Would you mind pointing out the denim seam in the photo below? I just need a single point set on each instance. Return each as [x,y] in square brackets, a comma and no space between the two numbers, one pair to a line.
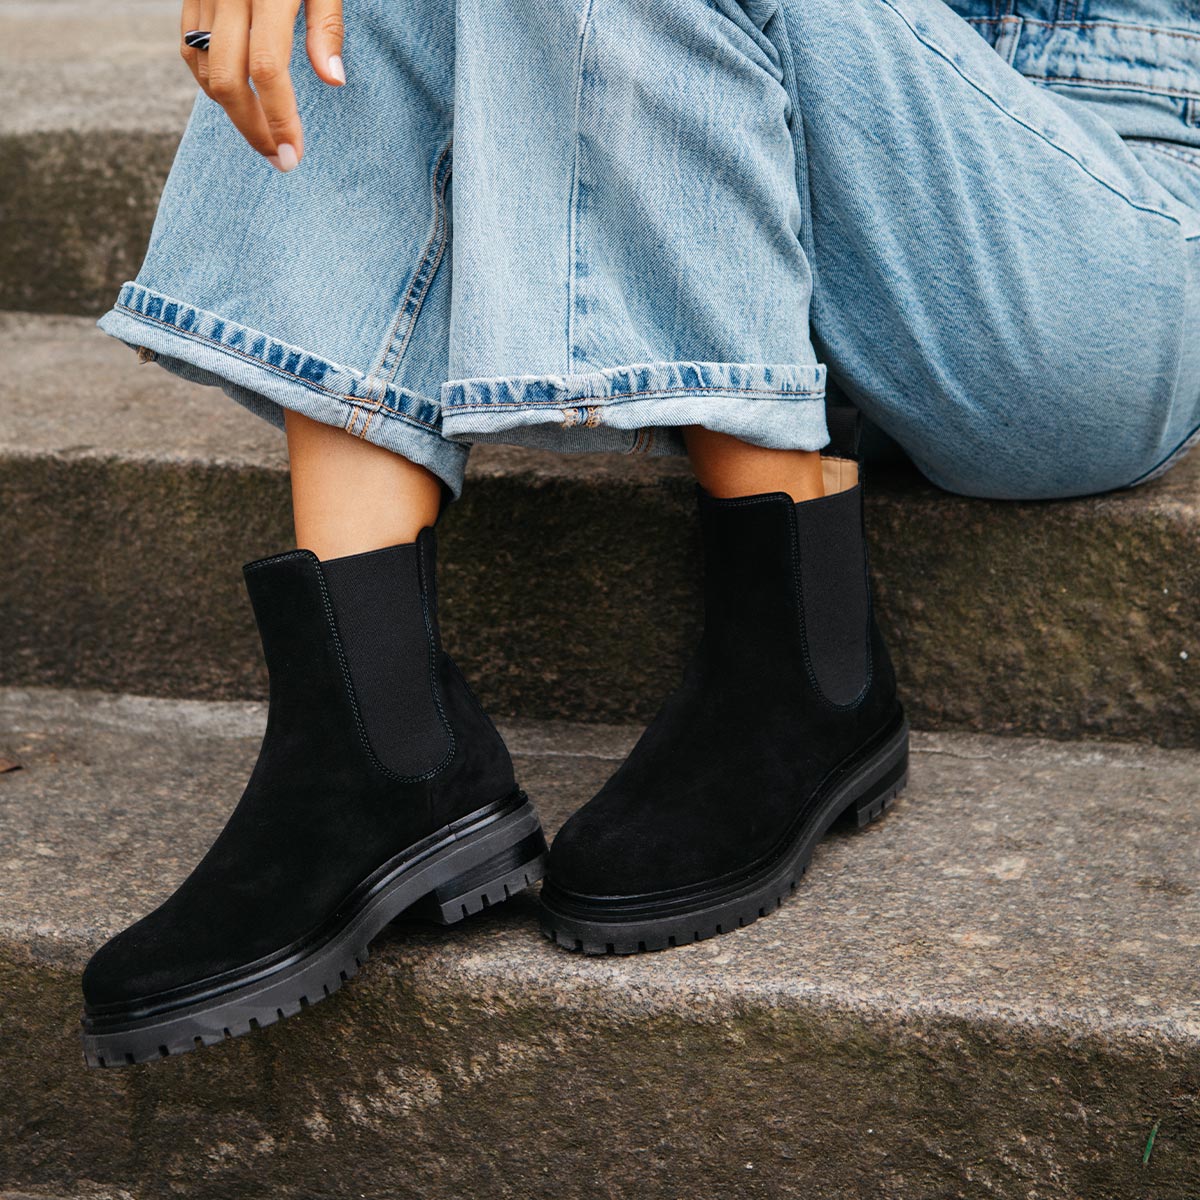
[641,443]
[1154,30]
[573,215]
[422,279]
[807,395]
[1008,40]
[1122,85]
[800,151]
[343,397]
[949,61]
[1169,148]
[1163,465]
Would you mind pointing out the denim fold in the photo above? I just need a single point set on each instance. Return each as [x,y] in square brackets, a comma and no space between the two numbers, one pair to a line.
[267,376]
[640,408]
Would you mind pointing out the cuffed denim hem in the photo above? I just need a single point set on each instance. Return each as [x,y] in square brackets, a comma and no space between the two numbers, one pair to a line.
[266,376]
[639,408]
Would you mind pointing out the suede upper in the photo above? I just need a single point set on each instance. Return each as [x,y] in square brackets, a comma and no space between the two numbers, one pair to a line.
[728,764]
[320,812]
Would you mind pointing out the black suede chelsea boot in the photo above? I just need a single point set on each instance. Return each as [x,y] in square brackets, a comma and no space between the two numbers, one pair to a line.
[381,787]
[786,719]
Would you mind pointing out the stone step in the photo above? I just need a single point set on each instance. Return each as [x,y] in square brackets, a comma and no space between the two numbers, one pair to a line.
[95,101]
[129,500]
[89,1193]
[990,993]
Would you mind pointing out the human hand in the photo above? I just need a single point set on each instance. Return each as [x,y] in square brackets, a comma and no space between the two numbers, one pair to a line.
[252,40]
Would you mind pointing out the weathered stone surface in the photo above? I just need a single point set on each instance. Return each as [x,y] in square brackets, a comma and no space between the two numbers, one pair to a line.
[129,501]
[95,101]
[78,1192]
[72,65]
[992,993]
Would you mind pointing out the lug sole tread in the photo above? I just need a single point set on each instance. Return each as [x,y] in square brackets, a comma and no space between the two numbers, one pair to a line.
[680,932]
[322,974]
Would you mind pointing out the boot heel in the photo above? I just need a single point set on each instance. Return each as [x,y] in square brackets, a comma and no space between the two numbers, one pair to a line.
[872,808]
[490,882]
[888,777]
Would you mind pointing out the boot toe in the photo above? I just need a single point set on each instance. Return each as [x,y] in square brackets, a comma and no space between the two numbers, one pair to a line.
[172,947]
[614,847]
[589,856]
[125,969]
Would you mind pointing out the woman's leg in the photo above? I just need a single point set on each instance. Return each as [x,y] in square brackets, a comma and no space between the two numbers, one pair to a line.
[729,198]
[626,259]
[999,282]
[727,467]
[324,291]
[380,785]
[350,496]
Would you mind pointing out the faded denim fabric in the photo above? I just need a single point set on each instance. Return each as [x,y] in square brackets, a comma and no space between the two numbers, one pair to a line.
[582,224]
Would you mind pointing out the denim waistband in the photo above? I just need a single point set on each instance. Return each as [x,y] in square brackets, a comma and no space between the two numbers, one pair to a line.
[1098,52]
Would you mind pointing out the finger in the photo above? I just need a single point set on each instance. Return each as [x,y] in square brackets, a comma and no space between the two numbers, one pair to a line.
[272,31]
[204,20]
[325,32]
[228,74]
[189,19]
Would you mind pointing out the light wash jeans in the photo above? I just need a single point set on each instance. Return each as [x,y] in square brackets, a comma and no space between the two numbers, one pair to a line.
[979,223]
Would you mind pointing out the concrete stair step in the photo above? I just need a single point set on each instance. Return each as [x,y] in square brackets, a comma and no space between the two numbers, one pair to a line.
[95,101]
[129,500]
[89,1193]
[990,993]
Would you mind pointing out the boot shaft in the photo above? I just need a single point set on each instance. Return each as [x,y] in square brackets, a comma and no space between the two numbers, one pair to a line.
[787,588]
[359,681]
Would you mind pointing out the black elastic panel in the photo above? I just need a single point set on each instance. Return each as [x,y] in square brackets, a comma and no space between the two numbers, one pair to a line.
[834,580]
[377,605]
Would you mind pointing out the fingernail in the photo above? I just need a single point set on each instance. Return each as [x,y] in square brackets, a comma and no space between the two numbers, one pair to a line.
[336,69]
[273,159]
[285,156]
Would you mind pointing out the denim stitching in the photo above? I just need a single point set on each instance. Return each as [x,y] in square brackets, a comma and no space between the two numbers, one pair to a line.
[1185,447]
[800,148]
[342,397]
[576,203]
[624,397]
[422,279]
[1171,149]
[1126,85]
[1153,30]
[949,61]
[1008,40]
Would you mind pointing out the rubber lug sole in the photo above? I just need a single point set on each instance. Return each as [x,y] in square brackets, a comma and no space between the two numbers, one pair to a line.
[473,867]
[866,790]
